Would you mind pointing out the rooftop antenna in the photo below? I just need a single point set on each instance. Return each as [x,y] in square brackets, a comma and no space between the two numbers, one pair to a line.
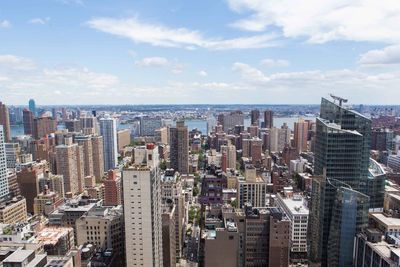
[339,99]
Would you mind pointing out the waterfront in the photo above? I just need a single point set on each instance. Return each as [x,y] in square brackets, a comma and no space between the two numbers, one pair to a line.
[192,124]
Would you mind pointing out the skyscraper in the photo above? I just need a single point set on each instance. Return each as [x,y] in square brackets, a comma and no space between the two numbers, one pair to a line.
[179,147]
[142,208]
[108,129]
[255,116]
[268,119]
[3,166]
[300,135]
[70,164]
[341,160]
[229,121]
[32,107]
[27,116]
[43,126]
[98,157]
[5,121]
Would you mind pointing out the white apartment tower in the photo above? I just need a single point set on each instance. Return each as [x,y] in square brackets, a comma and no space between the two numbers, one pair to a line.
[108,129]
[142,208]
[3,166]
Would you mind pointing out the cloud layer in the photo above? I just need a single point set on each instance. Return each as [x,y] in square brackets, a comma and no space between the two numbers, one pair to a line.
[160,35]
[323,21]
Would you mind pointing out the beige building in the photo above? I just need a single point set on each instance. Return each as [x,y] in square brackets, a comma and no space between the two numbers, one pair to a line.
[230,151]
[13,211]
[70,164]
[98,161]
[171,192]
[92,147]
[301,135]
[162,135]
[46,202]
[142,208]
[251,190]
[123,138]
[5,121]
[102,227]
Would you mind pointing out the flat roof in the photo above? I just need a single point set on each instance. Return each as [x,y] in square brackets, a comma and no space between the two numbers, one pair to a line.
[296,207]
[387,221]
[19,255]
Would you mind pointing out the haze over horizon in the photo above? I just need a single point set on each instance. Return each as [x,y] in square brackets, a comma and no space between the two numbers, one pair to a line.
[179,52]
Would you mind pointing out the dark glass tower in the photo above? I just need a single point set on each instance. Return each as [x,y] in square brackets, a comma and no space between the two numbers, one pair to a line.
[339,204]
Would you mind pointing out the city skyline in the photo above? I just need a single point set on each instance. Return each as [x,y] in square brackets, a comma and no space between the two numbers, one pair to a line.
[87,52]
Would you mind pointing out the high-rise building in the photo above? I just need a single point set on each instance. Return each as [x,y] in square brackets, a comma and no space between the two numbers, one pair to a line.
[301,135]
[179,147]
[98,157]
[53,182]
[89,125]
[268,119]
[108,129]
[168,236]
[70,164]
[255,117]
[230,151]
[252,190]
[5,121]
[142,209]
[296,210]
[4,190]
[28,181]
[382,139]
[230,120]
[85,141]
[13,211]
[278,137]
[73,126]
[113,188]
[342,147]
[28,121]
[149,125]
[124,138]
[171,195]
[43,126]
[32,107]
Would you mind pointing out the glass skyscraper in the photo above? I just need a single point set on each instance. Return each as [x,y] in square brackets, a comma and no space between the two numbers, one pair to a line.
[32,107]
[339,202]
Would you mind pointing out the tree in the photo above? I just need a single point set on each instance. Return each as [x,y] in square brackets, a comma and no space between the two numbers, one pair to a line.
[195,191]
[163,165]
[234,203]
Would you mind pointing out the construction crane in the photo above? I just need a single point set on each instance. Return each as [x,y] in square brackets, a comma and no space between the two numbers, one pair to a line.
[339,99]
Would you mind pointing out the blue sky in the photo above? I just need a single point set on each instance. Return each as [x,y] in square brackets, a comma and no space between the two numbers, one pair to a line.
[229,51]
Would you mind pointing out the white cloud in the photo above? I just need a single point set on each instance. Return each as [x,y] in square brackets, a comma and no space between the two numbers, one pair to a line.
[160,35]
[152,62]
[16,63]
[388,56]
[174,67]
[39,21]
[309,86]
[5,24]
[202,73]
[323,21]
[271,63]
[249,73]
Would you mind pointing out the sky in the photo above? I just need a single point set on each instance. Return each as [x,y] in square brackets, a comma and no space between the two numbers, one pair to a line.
[199,52]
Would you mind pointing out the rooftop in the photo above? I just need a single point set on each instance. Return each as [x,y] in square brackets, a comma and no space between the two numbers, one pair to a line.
[19,256]
[387,221]
[295,204]
[51,235]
